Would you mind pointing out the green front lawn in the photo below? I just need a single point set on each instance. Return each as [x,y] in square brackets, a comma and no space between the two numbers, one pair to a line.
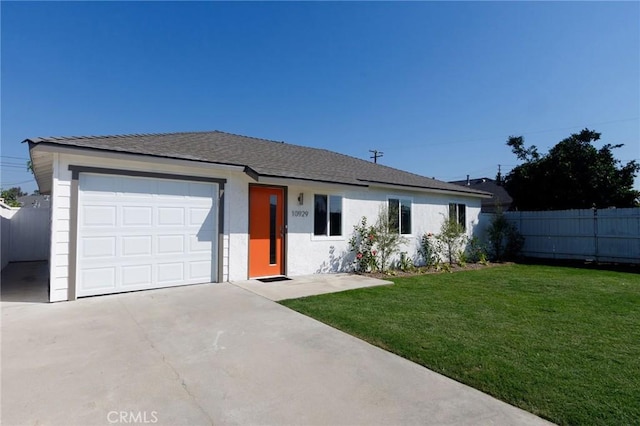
[562,343]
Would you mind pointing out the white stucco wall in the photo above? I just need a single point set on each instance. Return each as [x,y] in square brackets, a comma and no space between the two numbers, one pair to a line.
[237,218]
[308,254]
[305,253]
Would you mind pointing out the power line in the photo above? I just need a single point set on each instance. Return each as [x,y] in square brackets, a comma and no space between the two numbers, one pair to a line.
[14,166]
[15,158]
[17,183]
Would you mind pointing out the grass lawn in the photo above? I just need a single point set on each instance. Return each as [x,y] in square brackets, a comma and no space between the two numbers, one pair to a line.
[562,343]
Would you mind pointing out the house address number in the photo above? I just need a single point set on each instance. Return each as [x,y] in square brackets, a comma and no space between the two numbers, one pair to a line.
[299,213]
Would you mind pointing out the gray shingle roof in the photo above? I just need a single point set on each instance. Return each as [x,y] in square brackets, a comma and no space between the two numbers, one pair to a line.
[500,194]
[264,157]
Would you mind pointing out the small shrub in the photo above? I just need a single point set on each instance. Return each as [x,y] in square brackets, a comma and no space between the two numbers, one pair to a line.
[462,258]
[504,239]
[450,239]
[387,240]
[476,251]
[375,245]
[515,242]
[428,250]
[362,244]
[405,263]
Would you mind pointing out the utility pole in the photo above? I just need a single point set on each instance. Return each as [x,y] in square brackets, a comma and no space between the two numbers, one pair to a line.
[499,176]
[376,154]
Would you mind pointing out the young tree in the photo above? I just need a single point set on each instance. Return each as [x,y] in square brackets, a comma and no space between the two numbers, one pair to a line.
[505,241]
[451,238]
[573,174]
[388,238]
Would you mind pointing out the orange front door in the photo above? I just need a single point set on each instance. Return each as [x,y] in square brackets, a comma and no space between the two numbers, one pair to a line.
[266,231]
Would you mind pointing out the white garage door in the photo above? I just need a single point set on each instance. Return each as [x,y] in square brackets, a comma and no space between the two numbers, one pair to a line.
[141,233]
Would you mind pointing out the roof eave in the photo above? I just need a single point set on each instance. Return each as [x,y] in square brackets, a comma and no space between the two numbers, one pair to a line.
[42,166]
[477,194]
[281,179]
[115,154]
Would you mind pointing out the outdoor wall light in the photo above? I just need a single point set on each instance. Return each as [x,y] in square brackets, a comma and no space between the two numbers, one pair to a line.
[301,198]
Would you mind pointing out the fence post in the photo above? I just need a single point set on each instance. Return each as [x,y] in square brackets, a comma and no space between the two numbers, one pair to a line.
[595,230]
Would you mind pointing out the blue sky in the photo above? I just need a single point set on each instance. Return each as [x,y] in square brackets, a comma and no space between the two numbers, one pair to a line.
[438,87]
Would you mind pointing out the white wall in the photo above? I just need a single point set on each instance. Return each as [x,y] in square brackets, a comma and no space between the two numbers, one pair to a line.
[30,234]
[237,217]
[5,234]
[308,254]
[25,234]
[61,204]
[481,228]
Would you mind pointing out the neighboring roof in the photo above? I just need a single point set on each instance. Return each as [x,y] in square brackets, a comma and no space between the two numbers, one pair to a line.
[34,200]
[500,195]
[262,157]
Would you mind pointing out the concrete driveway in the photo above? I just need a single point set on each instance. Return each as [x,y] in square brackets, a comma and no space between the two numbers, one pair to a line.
[214,354]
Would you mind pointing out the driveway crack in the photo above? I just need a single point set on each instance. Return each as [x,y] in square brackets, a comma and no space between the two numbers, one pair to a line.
[167,363]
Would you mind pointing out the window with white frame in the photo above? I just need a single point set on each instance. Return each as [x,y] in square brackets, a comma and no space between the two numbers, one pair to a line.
[327,215]
[400,215]
[458,212]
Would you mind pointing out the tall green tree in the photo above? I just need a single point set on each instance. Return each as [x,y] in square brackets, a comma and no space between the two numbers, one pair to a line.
[574,174]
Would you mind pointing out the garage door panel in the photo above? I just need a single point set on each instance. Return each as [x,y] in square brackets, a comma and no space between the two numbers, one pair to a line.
[199,270]
[170,216]
[101,279]
[136,275]
[173,189]
[139,245]
[100,185]
[138,188]
[128,242]
[197,244]
[170,244]
[96,247]
[200,217]
[200,190]
[98,215]
[137,216]
[171,272]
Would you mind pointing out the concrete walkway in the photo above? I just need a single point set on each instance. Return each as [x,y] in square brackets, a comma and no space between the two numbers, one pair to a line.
[24,282]
[309,285]
[214,354]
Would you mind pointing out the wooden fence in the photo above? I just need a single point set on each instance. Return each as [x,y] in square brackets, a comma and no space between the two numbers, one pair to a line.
[608,235]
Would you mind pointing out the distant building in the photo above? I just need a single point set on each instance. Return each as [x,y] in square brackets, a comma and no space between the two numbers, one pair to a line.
[40,201]
[501,198]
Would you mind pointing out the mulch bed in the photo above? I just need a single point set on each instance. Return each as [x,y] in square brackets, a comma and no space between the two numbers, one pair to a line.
[424,271]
